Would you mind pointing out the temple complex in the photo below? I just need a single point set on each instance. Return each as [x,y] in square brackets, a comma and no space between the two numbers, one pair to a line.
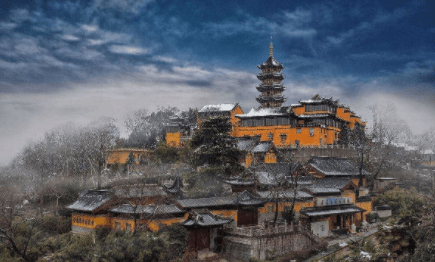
[314,122]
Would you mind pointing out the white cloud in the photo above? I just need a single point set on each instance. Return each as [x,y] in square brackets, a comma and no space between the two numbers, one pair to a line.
[166,59]
[70,38]
[129,50]
[19,15]
[7,26]
[90,28]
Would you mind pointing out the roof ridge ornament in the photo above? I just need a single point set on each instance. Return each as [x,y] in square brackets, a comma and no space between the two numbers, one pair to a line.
[271,48]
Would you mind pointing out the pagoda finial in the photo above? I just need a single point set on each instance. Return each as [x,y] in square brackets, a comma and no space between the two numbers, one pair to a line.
[271,47]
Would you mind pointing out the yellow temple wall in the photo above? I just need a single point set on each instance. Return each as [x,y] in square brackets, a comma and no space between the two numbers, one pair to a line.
[89,221]
[364,205]
[304,137]
[270,157]
[356,181]
[173,139]
[226,213]
[282,205]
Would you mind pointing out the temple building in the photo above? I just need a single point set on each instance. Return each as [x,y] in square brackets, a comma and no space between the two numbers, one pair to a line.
[314,122]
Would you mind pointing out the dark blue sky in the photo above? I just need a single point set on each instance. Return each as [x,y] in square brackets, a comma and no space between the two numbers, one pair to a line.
[76,60]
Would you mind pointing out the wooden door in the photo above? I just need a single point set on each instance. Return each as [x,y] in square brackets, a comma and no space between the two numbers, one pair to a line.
[199,238]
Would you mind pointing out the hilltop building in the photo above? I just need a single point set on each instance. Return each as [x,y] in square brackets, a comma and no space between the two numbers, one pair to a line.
[315,122]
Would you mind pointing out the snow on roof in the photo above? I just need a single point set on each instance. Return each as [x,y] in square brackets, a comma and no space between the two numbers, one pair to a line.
[312,212]
[217,108]
[148,209]
[242,198]
[91,200]
[284,194]
[271,111]
[247,143]
[314,115]
[295,105]
[332,182]
[205,219]
[335,166]
[324,190]
[262,147]
[139,191]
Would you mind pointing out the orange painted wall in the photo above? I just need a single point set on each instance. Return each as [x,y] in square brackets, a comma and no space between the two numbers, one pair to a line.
[356,181]
[365,205]
[349,193]
[89,221]
[281,206]
[304,137]
[120,156]
[270,157]
[173,139]
[226,213]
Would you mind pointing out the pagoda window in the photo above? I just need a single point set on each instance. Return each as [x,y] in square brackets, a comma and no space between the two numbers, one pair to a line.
[298,131]
[269,122]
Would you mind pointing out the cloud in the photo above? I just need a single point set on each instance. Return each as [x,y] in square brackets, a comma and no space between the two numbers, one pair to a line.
[70,38]
[165,59]
[19,15]
[128,50]
[130,6]
[90,28]
[7,26]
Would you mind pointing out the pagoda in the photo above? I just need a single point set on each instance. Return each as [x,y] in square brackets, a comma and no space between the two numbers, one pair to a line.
[271,87]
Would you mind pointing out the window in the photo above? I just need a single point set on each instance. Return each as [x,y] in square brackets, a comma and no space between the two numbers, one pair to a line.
[128,227]
[283,137]
[270,136]
[117,226]
[270,209]
[297,143]
[311,131]
[298,131]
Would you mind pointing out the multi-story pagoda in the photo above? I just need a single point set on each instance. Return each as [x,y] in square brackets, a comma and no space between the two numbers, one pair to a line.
[271,87]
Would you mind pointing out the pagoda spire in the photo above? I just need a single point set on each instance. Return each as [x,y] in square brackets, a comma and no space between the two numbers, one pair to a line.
[271,87]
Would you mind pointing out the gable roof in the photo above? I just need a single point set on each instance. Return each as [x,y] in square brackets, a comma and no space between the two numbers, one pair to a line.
[243,198]
[205,219]
[176,187]
[91,201]
[262,147]
[247,143]
[300,195]
[335,166]
[148,209]
[218,108]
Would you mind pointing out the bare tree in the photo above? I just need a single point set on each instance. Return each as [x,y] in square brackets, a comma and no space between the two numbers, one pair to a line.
[18,233]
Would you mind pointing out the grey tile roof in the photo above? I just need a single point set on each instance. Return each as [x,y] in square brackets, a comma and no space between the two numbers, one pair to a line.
[206,202]
[262,147]
[288,194]
[242,198]
[205,219]
[326,211]
[139,191]
[332,182]
[217,108]
[148,209]
[91,201]
[247,143]
[176,187]
[335,166]
[323,190]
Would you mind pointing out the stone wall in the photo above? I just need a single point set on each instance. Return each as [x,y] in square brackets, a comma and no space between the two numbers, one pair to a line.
[266,243]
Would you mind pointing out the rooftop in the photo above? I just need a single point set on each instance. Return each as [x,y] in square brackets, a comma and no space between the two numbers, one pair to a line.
[262,147]
[243,198]
[335,166]
[247,143]
[218,108]
[287,194]
[270,111]
[326,211]
[205,219]
[91,201]
[147,209]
